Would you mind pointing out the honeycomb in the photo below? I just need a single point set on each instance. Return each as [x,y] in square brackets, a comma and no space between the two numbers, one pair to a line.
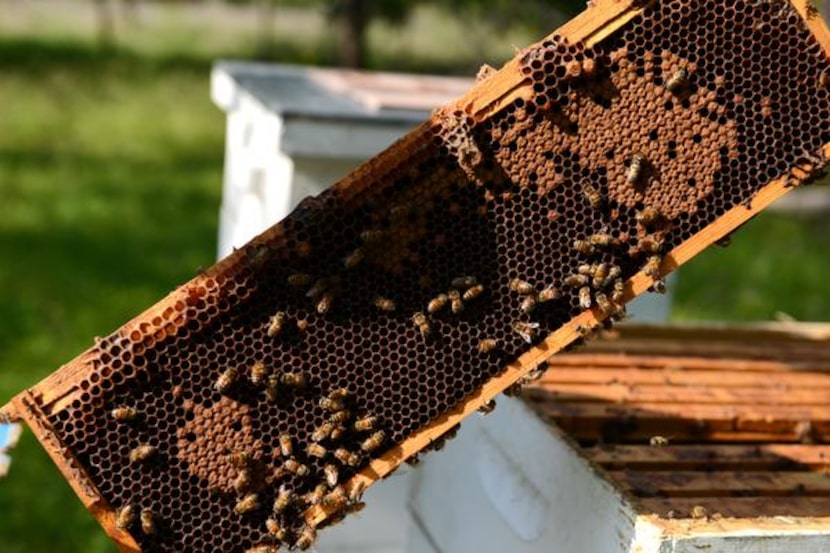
[391,300]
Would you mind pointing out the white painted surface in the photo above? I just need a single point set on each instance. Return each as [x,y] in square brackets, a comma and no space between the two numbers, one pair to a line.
[575,510]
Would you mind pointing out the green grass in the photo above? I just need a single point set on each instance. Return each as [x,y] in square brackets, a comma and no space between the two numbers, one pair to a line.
[776,264]
[110,176]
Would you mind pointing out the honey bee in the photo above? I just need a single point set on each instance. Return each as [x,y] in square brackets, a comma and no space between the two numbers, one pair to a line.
[340,417]
[335,499]
[547,294]
[148,522]
[652,266]
[437,303]
[824,79]
[373,442]
[699,511]
[247,504]
[294,379]
[521,287]
[272,388]
[299,280]
[659,287]
[585,300]
[286,445]
[528,331]
[455,301]
[355,507]
[618,293]
[323,431]
[317,289]
[284,499]
[259,372]
[586,269]
[325,302]
[124,414]
[600,274]
[635,169]
[603,303]
[604,240]
[365,424]
[339,393]
[275,529]
[226,380]
[658,441]
[585,332]
[142,453]
[423,325]
[613,274]
[316,450]
[315,496]
[619,314]
[276,324]
[338,433]
[649,216]
[332,475]
[384,304]
[354,258]
[528,304]
[649,244]
[575,281]
[487,407]
[724,242]
[239,459]
[356,493]
[307,537]
[591,194]
[346,457]
[464,282]
[332,405]
[678,80]
[584,247]
[414,461]
[473,292]
[487,345]
[242,482]
[372,236]
[295,467]
[125,517]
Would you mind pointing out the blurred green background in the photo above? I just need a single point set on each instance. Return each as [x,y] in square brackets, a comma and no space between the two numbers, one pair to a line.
[110,181]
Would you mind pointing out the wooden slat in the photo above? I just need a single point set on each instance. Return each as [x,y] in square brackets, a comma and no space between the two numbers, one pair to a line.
[679,377]
[609,423]
[737,507]
[764,394]
[657,359]
[711,457]
[723,483]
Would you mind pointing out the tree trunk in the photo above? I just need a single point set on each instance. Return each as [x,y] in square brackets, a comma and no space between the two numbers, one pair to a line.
[105,21]
[351,22]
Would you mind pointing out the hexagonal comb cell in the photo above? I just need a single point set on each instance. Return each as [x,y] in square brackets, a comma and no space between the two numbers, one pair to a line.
[218,418]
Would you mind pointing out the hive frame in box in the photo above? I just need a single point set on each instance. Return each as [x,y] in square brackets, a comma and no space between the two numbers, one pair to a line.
[489,97]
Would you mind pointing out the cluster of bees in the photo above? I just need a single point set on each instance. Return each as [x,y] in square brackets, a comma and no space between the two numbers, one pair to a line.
[340,425]
[463,289]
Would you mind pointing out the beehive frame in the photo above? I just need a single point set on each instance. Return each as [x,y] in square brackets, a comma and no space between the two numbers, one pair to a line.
[466,139]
